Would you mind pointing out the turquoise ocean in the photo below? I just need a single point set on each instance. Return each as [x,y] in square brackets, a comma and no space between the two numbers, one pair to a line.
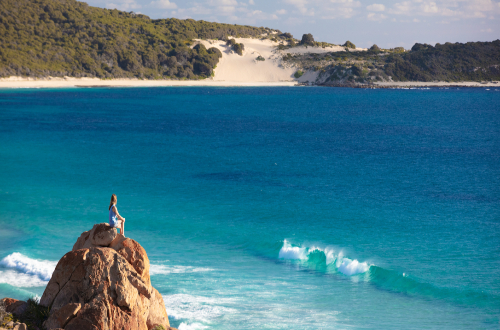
[266,208]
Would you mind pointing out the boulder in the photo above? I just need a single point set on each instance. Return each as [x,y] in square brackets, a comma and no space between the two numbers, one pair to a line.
[103,284]
[14,306]
[102,235]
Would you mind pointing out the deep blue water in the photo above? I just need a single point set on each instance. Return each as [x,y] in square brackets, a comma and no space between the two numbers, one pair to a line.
[388,200]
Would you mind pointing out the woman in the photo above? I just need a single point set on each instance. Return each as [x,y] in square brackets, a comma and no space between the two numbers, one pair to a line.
[115,219]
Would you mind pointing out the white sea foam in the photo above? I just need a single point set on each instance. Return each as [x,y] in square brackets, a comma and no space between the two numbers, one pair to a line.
[196,308]
[21,280]
[192,326]
[352,267]
[165,270]
[288,251]
[344,265]
[41,268]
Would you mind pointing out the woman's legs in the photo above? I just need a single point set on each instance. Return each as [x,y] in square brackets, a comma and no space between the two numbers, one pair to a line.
[122,229]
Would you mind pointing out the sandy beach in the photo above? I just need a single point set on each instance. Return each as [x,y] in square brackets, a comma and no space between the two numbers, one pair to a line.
[56,82]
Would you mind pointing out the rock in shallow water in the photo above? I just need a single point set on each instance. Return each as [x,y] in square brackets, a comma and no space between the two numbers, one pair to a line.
[102,284]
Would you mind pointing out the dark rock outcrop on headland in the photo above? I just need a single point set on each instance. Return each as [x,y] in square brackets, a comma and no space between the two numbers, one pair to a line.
[103,283]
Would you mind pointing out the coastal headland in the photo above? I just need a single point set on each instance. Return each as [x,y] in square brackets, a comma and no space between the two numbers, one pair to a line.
[49,44]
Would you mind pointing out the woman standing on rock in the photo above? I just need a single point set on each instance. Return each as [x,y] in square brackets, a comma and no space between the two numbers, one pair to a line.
[115,219]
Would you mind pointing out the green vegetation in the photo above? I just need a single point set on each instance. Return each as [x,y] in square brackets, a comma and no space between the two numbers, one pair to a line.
[349,44]
[4,316]
[473,61]
[238,49]
[298,74]
[307,39]
[39,38]
[159,327]
[35,315]
[260,58]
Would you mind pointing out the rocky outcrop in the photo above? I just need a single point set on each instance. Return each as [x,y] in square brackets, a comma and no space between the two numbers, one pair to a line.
[103,284]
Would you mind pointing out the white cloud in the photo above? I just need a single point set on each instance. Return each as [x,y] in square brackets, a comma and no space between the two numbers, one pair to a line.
[430,7]
[222,2]
[450,8]
[125,5]
[376,17]
[163,4]
[301,7]
[376,7]
[251,2]
[281,12]
[487,30]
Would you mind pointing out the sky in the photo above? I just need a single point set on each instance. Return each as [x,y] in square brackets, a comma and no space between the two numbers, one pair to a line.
[387,23]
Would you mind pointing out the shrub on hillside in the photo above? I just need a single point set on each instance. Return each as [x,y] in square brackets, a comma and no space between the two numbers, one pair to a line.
[307,39]
[238,48]
[349,44]
[375,48]
[260,58]
[298,74]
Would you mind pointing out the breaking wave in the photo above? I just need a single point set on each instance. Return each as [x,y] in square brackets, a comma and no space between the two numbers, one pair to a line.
[327,256]
[21,280]
[39,269]
[326,260]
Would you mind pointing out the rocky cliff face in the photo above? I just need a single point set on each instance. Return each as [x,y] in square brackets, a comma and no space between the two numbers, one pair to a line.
[103,284]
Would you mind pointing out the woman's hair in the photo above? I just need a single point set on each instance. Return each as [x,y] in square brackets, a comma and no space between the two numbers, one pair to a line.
[113,201]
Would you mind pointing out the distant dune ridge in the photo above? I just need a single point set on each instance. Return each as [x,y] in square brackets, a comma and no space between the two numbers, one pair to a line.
[103,283]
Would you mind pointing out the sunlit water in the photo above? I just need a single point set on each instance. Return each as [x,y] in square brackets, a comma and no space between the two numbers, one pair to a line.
[266,208]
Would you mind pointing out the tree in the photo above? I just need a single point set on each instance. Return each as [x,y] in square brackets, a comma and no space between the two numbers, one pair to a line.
[307,39]
[238,49]
[375,48]
[349,44]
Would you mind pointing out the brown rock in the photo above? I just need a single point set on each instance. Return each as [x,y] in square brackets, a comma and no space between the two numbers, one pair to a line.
[14,306]
[100,235]
[61,317]
[128,248]
[111,285]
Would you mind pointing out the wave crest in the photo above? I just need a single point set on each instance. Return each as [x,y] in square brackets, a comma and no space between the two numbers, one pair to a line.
[327,256]
[43,269]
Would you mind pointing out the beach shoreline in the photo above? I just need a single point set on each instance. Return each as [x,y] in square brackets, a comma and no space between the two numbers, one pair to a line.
[69,82]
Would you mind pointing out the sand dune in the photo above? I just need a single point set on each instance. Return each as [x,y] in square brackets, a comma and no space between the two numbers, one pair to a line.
[233,67]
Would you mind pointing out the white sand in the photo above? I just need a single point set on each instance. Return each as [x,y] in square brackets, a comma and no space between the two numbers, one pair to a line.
[54,82]
[246,68]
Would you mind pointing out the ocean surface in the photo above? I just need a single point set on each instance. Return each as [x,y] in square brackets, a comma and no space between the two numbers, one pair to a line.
[266,208]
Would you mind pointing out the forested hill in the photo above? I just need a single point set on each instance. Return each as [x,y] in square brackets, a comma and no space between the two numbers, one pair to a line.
[41,38]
